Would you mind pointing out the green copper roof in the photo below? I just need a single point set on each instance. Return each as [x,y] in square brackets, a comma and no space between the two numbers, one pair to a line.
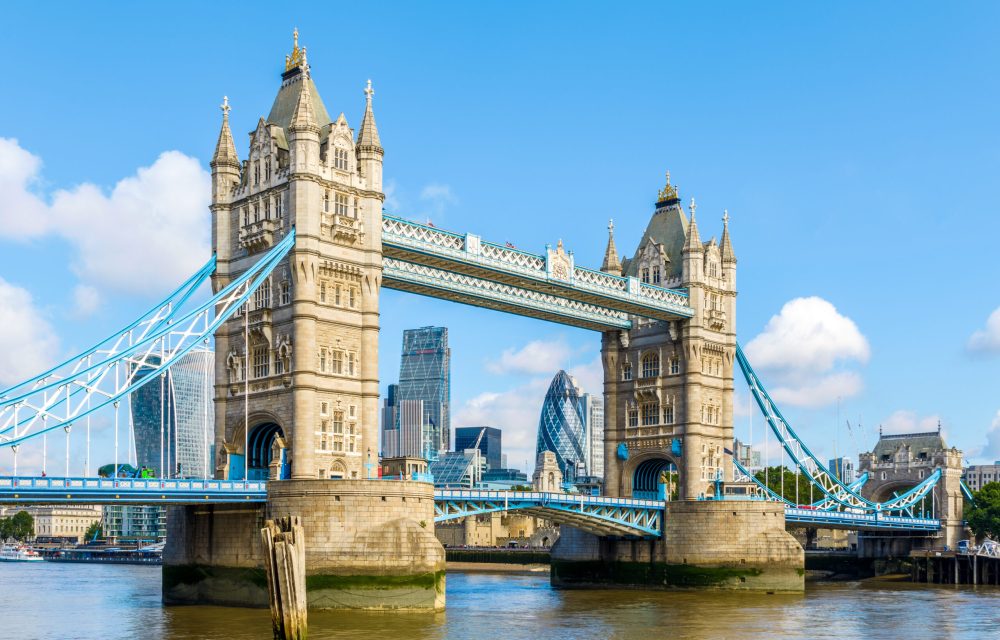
[288,97]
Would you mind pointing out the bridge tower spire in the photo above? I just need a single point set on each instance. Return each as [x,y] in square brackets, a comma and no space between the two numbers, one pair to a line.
[369,146]
[611,263]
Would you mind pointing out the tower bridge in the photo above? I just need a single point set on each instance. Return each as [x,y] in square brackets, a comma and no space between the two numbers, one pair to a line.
[302,249]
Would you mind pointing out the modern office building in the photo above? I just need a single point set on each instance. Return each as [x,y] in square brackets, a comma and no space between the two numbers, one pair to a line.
[390,423]
[136,523]
[977,475]
[458,469]
[594,411]
[425,375]
[843,468]
[174,418]
[562,427]
[746,455]
[488,439]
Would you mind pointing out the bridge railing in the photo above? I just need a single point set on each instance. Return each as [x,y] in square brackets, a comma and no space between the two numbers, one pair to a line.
[77,485]
[568,498]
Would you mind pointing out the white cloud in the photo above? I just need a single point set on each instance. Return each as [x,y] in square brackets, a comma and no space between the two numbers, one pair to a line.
[436,199]
[147,234]
[804,350]
[538,356]
[87,299]
[987,340]
[903,421]
[28,344]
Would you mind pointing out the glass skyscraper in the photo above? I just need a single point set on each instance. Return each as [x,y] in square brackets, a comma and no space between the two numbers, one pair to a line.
[425,376]
[174,418]
[489,443]
[562,427]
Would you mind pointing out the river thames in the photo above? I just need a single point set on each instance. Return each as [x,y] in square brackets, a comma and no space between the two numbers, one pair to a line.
[75,601]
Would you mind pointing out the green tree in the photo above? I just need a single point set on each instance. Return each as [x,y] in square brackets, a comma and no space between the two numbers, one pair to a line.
[22,525]
[984,516]
[5,532]
[93,531]
[783,481]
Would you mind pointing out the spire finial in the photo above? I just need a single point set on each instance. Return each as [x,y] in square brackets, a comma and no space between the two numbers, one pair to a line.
[693,207]
[295,38]
[668,193]
[369,92]
[725,218]
[298,56]
[225,108]
[611,226]
[668,177]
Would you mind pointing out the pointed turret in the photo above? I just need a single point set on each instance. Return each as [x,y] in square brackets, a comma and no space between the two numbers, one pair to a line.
[368,133]
[369,147]
[225,150]
[304,118]
[693,242]
[611,264]
[727,246]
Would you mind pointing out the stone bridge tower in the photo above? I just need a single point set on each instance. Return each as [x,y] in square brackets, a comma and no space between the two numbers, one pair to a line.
[668,386]
[306,346]
[297,373]
[901,461]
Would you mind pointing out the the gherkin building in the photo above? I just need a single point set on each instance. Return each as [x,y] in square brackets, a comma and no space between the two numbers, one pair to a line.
[562,426]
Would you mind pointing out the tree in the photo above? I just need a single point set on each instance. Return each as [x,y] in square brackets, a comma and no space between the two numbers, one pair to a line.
[22,525]
[93,531]
[782,481]
[984,516]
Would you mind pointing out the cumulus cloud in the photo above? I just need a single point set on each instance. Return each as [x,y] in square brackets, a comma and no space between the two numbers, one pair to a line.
[28,343]
[987,340]
[903,421]
[805,350]
[538,356]
[148,233]
[86,299]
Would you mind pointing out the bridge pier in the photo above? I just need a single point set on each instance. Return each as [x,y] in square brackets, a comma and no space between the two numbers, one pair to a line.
[369,545]
[706,544]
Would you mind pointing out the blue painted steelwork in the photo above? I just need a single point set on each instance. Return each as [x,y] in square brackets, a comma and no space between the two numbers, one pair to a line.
[596,514]
[967,492]
[815,471]
[31,490]
[59,398]
[859,521]
[824,504]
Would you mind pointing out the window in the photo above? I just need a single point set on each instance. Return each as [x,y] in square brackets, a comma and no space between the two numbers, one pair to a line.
[340,204]
[336,295]
[656,275]
[338,422]
[256,173]
[286,292]
[324,408]
[351,410]
[279,366]
[260,361]
[650,365]
[645,274]
[650,414]
[338,362]
[350,364]
[277,206]
[256,211]
[350,299]
[633,418]
[338,445]
[267,169]
[627,371]
[668,414]
[340,158]
[262,297]
[246,216]
[322,360]
[675,366]
[326,201]
[322,292]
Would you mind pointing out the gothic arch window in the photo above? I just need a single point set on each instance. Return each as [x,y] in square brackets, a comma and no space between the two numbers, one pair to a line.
[627,371]
[650,365]
[340,160]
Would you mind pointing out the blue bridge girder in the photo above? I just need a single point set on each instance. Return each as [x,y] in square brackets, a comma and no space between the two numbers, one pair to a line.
[595,514]
[480,273]
[601,515]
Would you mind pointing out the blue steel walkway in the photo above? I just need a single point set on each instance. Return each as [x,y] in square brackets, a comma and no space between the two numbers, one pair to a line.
[31,490]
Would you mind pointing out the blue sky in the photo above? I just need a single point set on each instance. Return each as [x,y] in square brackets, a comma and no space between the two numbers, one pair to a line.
[855,145]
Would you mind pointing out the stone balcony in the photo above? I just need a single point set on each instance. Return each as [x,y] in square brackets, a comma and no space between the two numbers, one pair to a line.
[258,235]
[716,319]
[342,228]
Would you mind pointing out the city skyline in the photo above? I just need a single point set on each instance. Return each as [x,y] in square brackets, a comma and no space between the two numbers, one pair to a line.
[837,231]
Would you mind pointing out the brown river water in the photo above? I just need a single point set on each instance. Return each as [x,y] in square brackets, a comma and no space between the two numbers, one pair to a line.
[99,602]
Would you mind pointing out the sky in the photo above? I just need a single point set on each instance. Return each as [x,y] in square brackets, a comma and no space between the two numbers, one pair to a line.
[855,145]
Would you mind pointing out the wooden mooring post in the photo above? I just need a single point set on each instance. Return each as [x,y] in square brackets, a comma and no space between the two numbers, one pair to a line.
[284,549]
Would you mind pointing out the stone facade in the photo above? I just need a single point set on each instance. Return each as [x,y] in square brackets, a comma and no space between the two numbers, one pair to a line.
[707,544]
[496,530]
[547,475]
[369,545]
[668,386]
[305,348]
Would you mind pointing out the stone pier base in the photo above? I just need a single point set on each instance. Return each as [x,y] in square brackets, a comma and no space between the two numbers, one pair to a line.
[707,544]
[369,545]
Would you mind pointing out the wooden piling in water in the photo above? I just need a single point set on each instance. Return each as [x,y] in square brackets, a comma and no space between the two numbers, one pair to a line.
[285,563]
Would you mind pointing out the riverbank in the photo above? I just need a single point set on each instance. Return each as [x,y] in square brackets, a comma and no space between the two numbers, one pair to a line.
[496,567]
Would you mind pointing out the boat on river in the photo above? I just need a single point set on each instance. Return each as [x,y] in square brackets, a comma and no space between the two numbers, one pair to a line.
[18,553]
